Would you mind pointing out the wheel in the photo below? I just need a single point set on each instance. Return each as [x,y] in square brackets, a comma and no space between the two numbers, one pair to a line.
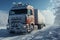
[39,26]
[33,26]
[44,25]
[30,28]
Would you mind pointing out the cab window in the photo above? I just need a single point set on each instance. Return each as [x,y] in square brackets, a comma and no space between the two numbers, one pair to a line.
[18,11]
[30,12]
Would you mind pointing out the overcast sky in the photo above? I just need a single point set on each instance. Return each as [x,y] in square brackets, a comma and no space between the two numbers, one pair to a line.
[39,4]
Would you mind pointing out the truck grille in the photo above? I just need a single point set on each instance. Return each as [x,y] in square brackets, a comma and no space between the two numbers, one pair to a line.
[18,19]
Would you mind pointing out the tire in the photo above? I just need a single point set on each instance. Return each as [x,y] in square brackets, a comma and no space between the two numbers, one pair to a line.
[44,25]
[39,26]
[30,28]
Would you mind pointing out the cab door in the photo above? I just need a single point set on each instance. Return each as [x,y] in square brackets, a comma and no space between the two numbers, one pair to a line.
[30,16]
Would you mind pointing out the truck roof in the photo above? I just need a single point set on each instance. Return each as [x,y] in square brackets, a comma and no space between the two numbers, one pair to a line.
[21,6]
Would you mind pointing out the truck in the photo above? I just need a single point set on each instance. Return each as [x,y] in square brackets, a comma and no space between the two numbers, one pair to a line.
[24,18]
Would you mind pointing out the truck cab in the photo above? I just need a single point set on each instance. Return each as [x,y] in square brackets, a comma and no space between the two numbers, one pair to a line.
[20,18]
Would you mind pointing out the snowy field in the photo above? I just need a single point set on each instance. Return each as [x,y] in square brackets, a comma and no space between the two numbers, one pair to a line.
[46,33]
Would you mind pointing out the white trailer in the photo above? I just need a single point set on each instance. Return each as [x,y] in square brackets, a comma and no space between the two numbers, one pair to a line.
[39,18]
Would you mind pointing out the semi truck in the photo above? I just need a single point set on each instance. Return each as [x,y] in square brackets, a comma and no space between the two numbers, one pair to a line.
[24,18]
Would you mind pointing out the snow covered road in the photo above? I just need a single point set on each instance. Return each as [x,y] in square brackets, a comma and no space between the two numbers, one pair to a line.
[47,33]
[52,33]
[5,35]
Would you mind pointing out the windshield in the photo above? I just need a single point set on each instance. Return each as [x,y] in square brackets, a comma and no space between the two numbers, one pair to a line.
[19,11]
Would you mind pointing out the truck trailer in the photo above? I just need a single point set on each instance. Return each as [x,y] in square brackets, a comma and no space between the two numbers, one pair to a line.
[23,18]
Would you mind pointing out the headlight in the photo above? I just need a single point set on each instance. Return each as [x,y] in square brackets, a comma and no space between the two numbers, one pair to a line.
[24,26]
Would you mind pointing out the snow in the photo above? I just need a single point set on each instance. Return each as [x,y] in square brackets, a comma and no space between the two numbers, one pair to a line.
[48,34]
[5,35]
[3,17]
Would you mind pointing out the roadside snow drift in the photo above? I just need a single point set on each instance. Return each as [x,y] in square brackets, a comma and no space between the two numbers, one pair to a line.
[3,17]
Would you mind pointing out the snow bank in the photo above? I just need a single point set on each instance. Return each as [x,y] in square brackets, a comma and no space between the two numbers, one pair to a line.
[56,8]
[3,17]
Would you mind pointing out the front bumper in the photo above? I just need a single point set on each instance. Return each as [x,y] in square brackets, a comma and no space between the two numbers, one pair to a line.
[17,29]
